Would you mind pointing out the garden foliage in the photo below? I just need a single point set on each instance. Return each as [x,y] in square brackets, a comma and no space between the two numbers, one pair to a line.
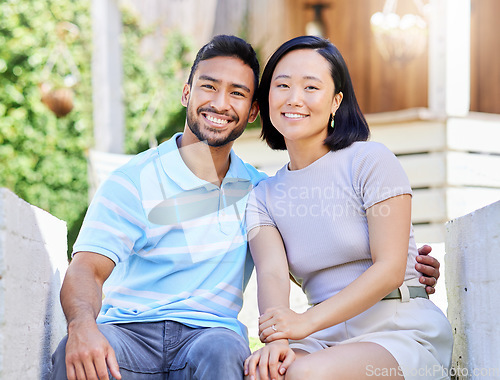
[43,159]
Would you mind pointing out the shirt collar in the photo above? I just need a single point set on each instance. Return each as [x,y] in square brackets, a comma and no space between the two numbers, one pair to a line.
[175,168]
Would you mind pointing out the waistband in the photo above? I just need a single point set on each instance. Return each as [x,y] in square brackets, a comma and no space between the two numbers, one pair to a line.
[409,289]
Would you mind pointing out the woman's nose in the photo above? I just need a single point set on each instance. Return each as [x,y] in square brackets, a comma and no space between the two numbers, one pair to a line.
[294,97]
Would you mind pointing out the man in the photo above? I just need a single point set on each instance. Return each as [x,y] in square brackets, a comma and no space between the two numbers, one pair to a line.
[165,235]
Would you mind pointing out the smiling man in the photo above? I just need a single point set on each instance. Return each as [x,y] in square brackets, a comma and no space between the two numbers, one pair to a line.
[165,240]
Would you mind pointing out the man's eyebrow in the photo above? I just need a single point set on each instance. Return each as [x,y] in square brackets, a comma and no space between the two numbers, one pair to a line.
[209,78]
[237,85]
[241,86]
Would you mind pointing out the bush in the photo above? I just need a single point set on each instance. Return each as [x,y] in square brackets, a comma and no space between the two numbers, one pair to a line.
[42,157]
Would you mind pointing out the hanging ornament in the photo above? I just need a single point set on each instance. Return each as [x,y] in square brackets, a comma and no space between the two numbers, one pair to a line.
[57,93]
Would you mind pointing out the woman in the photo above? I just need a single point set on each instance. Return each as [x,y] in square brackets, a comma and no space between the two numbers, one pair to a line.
[337,216]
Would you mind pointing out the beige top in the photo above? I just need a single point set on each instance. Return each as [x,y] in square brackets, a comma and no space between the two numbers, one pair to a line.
[320,211]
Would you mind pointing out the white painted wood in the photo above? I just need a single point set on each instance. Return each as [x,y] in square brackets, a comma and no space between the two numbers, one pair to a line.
[425,170]
[449,57]
[474,134]
[452,169]
[442,204]
[467,169]
[429,233]
[429,205]
[101,165]
[411,137]
[472,265]
[109,124]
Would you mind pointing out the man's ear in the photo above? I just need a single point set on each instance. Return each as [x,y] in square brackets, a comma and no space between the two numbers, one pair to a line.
[254,111]
[186,90]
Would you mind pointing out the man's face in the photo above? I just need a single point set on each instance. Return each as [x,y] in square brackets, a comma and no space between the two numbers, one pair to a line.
[219,100]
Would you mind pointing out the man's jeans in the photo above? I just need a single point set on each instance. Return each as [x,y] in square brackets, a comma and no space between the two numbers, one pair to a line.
[169,351]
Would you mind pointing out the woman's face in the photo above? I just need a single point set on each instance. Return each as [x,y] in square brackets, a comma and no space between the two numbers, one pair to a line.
[301,96]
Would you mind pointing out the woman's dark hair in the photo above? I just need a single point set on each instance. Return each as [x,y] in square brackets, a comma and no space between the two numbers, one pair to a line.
[350,124]
[228,46]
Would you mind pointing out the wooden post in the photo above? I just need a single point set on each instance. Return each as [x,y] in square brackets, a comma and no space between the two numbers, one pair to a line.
[107,77]
[449,57]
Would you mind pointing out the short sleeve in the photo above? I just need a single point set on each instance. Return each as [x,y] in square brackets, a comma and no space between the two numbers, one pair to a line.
[115,225]
[257,213]
[378,174]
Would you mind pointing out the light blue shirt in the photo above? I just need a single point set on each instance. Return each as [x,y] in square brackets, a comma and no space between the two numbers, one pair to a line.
[179,242]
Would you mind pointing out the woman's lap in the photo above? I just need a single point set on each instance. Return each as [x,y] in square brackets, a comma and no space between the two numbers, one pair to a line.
[416,334]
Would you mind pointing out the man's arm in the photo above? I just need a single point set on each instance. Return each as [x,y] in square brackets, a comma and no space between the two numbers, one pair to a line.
[88,353]
[429,267]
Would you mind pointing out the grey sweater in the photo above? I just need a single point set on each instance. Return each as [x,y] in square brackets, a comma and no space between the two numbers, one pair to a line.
[320,211]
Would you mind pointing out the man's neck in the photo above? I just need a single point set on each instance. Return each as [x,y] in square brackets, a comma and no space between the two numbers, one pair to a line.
[208,163]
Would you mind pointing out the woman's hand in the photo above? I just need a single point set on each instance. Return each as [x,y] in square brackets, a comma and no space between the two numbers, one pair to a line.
[283,323]
[270,362]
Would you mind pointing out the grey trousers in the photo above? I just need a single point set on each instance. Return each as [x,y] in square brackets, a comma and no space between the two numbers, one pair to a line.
[169,351]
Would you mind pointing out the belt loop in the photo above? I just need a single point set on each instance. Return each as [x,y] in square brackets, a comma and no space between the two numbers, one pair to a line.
[405,292]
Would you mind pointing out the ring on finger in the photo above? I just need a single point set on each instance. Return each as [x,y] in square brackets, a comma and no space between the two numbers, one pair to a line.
[274,328]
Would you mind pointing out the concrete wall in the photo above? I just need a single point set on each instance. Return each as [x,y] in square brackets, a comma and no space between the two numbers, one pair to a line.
[33,262]
[472,281]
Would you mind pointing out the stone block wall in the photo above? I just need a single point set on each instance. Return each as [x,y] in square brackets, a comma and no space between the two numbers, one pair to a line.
[33,262]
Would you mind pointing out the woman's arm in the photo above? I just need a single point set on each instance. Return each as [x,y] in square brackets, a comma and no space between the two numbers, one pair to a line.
[271,266]
[389,230]
[273,290]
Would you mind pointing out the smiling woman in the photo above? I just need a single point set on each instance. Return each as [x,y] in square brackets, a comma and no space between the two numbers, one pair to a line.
[349,252]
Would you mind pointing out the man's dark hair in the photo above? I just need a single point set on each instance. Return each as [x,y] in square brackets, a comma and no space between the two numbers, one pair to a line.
[228,46]
[350,124]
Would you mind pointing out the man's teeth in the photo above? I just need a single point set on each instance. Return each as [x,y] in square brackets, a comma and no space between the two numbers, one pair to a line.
[295,115]
[217,120]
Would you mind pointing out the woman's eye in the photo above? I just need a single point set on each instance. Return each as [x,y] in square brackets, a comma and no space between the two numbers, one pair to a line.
[282,85]
[311,88]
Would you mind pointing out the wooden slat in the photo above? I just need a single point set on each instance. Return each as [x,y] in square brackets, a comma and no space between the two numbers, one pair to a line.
[441,205]
[474,134]
[425,170]
[414,137]
[429,233]
[452,169]
[429,205]
[467,169]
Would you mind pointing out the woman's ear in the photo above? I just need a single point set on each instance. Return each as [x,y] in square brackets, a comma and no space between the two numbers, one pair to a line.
[337,99]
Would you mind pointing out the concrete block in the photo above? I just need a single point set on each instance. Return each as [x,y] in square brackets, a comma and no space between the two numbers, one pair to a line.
[472,266]
[33,262]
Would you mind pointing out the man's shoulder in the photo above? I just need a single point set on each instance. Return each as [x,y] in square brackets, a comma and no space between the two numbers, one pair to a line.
[254,174]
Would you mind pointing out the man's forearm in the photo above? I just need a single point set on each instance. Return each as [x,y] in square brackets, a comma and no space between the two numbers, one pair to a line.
[81,293]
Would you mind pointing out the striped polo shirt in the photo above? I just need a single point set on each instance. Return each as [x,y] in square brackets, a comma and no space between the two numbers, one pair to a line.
[179,243]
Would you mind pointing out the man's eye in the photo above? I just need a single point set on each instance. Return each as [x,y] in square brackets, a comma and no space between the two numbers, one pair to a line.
[209,86]
[237,93]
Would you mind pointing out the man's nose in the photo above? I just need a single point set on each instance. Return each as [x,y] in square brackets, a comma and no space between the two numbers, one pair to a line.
[220,102]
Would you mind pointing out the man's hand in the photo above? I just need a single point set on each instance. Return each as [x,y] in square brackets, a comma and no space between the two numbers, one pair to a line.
[429,267]
[270,362]
[89,354]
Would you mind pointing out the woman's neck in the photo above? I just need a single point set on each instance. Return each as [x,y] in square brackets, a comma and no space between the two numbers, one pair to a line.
[304,153]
